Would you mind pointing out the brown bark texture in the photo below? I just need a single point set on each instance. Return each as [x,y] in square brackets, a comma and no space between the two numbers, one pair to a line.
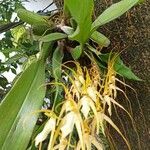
[131,34]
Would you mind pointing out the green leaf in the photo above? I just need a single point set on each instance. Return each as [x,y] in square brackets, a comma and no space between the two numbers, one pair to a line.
[53,37]
[125,71]
[17,109]
[57,62]
[113,12]
[100,39]
[66,10]
[81,11]
[31,17]
[9,50]
[39,30]
[57,71]
[46,49]
[76,52]
[120,67]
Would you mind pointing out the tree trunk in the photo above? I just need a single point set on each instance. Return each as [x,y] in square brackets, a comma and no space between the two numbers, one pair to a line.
[131,35]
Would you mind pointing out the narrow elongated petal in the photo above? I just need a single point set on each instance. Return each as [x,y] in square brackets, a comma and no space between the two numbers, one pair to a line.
[97,144]
[93,107]
[81,79]
[101,120]
[62,145]
[40,138]
[68,106]
[116,128]
[87,141]
[80,130]
[77,85]
[108,101]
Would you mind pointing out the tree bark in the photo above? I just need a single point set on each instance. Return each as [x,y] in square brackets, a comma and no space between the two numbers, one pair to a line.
[130,34]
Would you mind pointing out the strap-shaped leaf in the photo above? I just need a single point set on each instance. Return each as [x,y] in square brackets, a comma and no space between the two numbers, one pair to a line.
[125,71]
[119,66]
[46,50]
[113,12]
[76,52]
[57,62]
[17,109]
[81,11]
[31,17]
[100,39]
[53,37]
[57,71]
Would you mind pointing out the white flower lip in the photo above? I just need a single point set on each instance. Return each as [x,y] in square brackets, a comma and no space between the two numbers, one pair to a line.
[91,91]
[68,125]
[85,106]
[49,126]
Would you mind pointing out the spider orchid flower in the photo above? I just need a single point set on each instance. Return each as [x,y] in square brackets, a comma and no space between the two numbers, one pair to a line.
[78,86]
[83,109]
[85,106]
[89,105]
[71,119]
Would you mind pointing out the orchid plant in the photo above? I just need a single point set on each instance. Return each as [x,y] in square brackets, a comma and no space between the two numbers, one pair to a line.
[81,80]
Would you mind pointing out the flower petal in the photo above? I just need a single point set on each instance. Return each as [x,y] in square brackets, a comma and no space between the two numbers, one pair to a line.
[81,79]
[67,128]
[85,106]
[107,99]
[91,91]
[49,126]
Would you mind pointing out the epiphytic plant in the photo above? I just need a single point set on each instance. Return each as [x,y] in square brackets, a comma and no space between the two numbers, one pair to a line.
[81,81]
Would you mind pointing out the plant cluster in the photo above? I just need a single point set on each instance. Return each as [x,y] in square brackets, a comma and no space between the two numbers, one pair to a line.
[81,80]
